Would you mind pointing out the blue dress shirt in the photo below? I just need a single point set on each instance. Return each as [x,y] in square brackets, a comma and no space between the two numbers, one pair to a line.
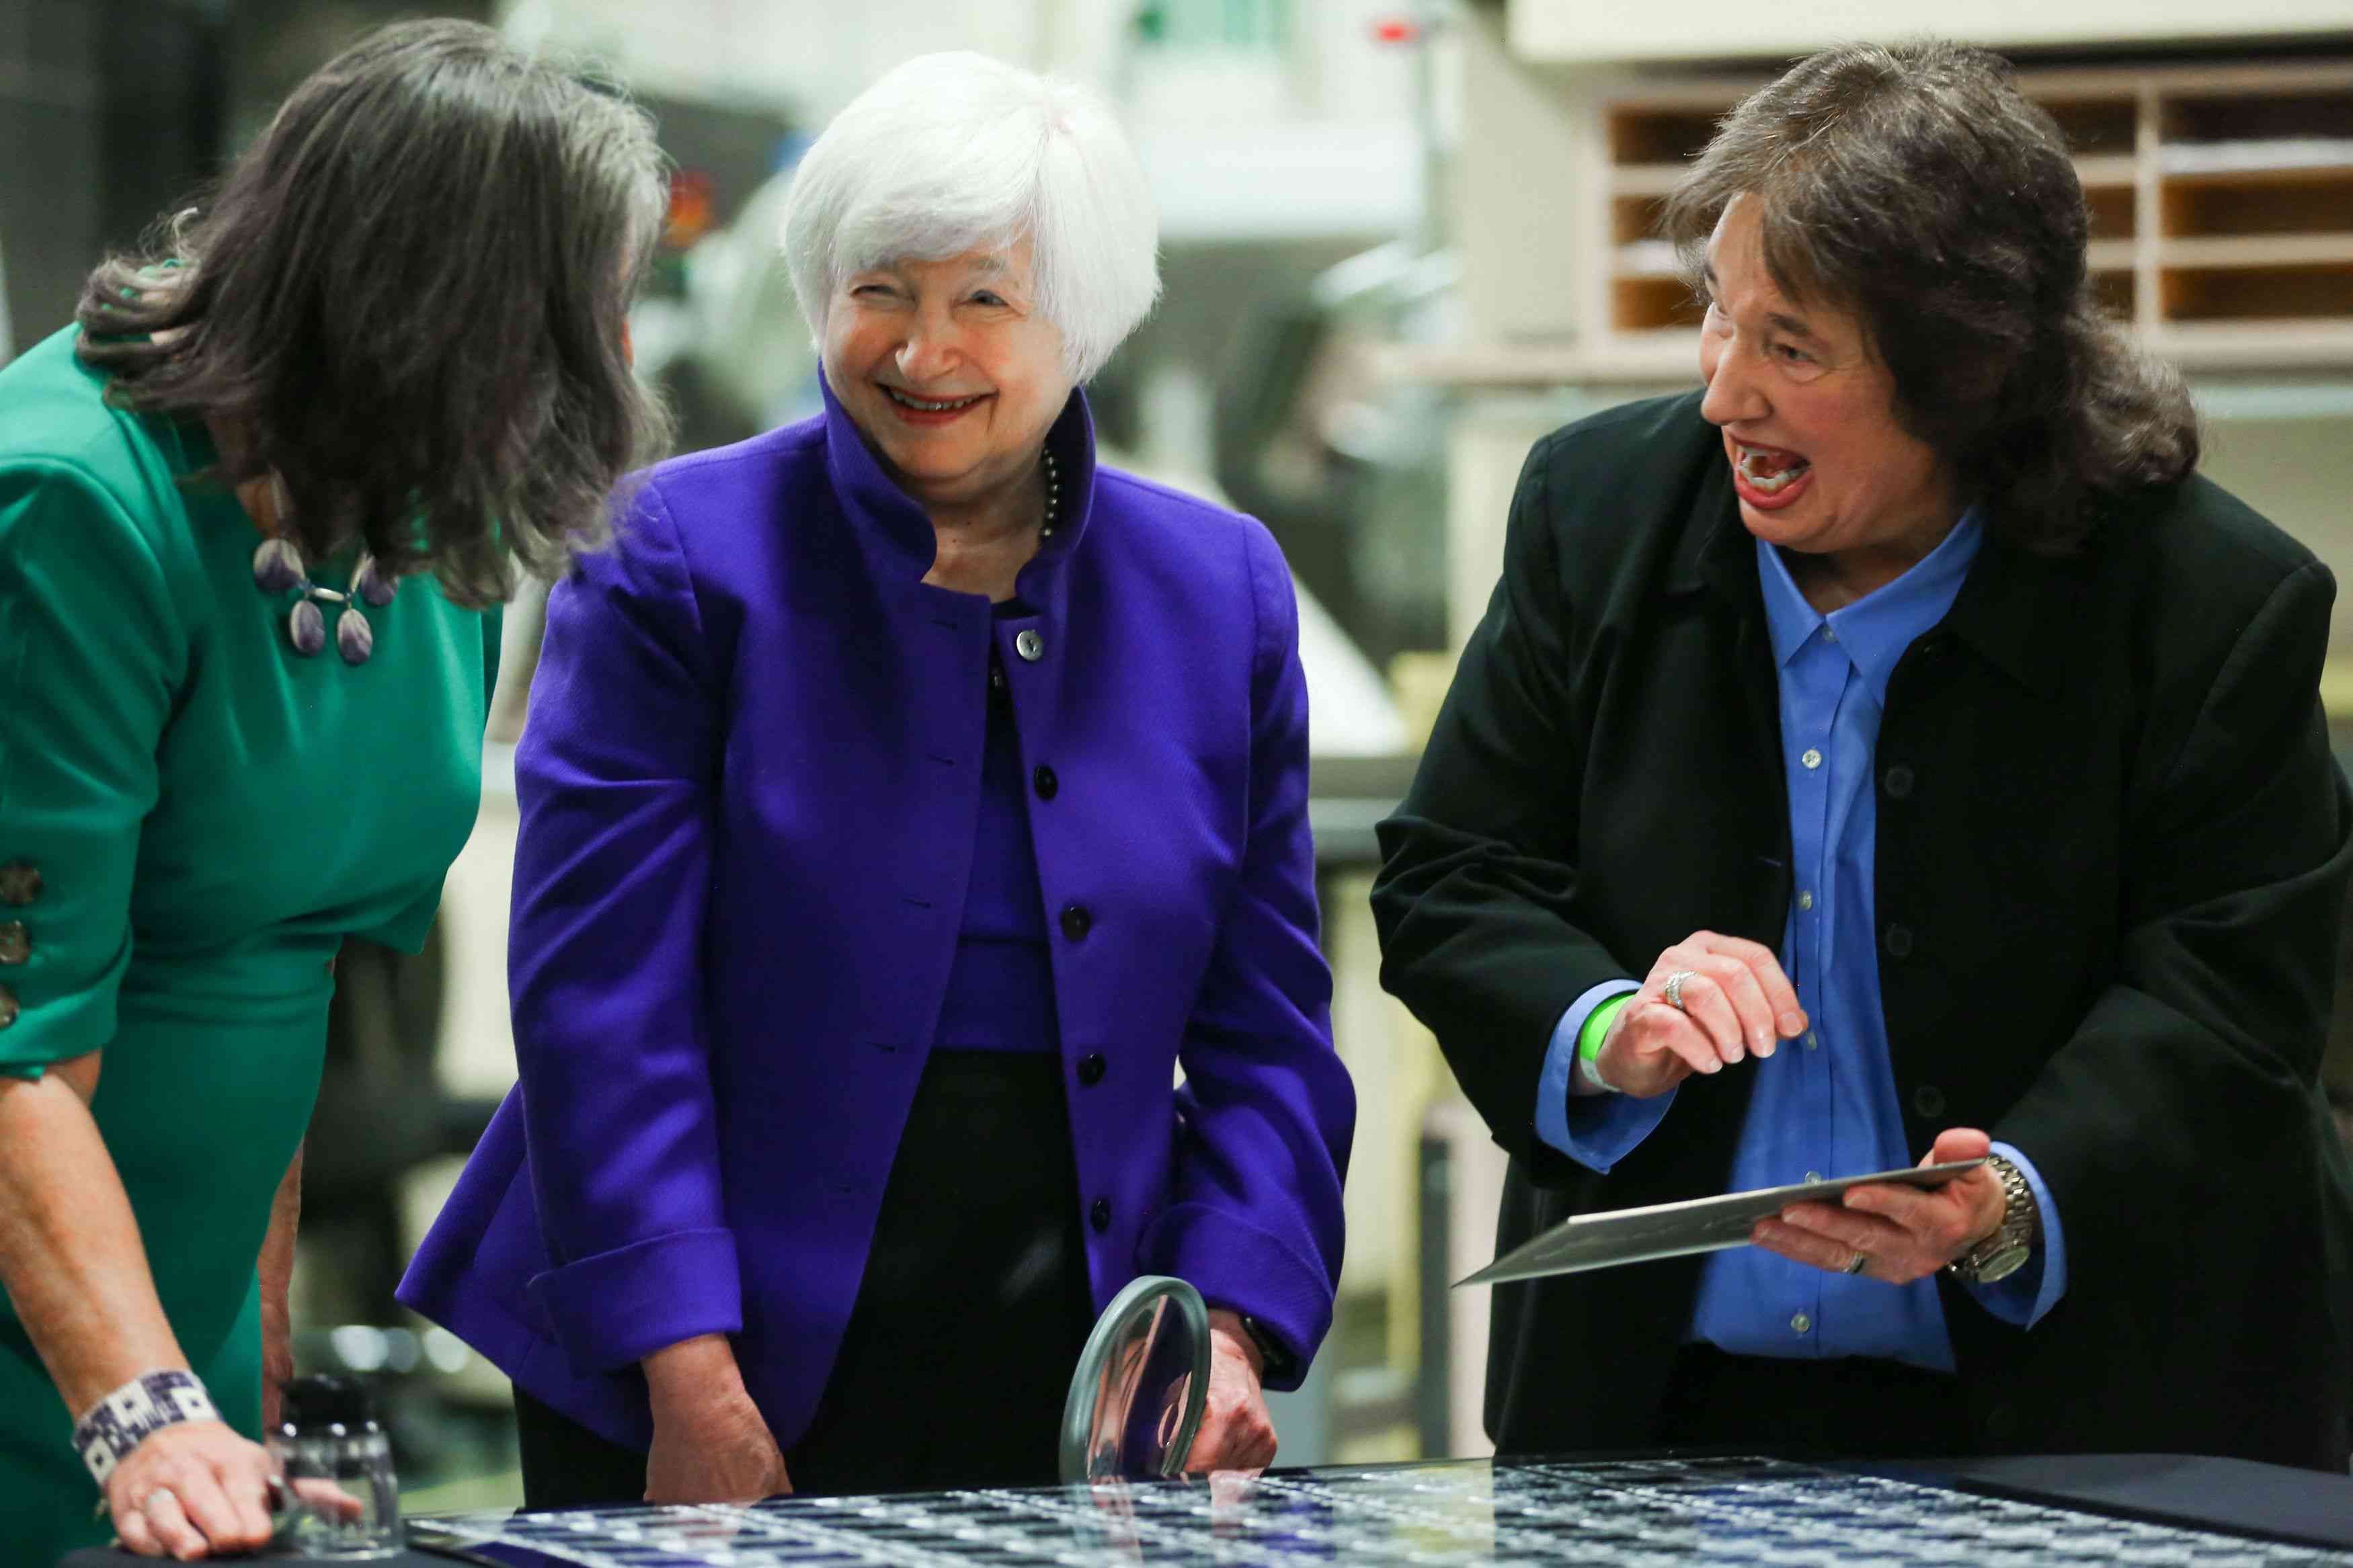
[1824,1105]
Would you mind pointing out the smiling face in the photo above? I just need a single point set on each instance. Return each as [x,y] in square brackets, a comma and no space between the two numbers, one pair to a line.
[948,370]
[1819,460]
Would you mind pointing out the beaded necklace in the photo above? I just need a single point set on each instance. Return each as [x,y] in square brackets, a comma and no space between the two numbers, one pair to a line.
[1053,492]
[278,568]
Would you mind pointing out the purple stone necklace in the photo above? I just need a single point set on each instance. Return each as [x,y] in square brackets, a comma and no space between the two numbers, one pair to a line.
[279,568]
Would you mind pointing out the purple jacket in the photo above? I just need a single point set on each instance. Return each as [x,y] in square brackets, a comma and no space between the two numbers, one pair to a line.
[749,788]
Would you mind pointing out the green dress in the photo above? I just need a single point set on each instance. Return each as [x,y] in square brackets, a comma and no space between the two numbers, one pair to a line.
[207,815]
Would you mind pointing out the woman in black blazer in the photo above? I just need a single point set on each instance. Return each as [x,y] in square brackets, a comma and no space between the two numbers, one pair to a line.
[2087,845]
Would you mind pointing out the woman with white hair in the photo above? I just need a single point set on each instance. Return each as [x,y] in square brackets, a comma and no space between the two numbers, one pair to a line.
[905,800]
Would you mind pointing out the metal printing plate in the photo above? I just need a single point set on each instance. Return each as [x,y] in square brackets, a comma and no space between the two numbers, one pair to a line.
[1676,1230]
[1626,1514]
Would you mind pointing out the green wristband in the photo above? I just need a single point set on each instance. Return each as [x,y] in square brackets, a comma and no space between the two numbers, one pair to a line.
[1595,1029]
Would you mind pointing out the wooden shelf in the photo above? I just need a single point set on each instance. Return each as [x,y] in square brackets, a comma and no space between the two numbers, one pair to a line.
[2290,114]
[2111,255]
[1645,258]
[2099,169]
[1658,179]
[2219,195]
[2257,251]
[2295,166]
[2242,294]
[2099,127]
[1669,358]
[1649,301]
[1665,136]
[2277,201]
[2119,293]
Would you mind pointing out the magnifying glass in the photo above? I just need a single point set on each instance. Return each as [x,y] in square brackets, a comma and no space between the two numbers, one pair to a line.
[1141,1385]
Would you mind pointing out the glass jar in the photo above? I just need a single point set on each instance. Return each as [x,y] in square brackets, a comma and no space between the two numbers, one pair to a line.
[340,1497]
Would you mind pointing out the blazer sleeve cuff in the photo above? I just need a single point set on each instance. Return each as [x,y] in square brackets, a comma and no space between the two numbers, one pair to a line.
[2025,1298]
[612,1309]
[1236,1266]
[1597,1131]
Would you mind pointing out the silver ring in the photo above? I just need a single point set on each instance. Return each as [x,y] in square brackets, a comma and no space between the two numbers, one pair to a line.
[1674,989]
[147,1503]
[1857,1264]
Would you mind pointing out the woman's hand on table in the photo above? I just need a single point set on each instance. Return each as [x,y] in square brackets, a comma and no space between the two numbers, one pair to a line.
[192,1490]
[1737,1002]
[1237,1433]
[711,1442]
[1902,1233]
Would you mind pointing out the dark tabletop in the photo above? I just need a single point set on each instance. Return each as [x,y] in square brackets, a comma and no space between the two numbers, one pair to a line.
[2142,1511]
[2155,1511]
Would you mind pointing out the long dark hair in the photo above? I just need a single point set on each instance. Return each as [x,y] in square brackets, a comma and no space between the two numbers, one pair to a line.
[409,296]
[1918,186]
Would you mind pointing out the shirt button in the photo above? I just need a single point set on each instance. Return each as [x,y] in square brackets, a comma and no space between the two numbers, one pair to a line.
[1077,921]
[1099,1216]
[1091,1068]
[20,883]
[1813,1040]
[1801,1322]
[1928,1099]
[1810,757]
[1899,781]
[1046,782]
[1805,899]
[15,943]
[1899,941]
[1829,632]
[1030,645]
[1813,1176]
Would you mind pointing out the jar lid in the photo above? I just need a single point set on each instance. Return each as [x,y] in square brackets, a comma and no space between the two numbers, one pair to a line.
[324,1400]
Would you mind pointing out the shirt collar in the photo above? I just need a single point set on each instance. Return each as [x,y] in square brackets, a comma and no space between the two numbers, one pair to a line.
[1875,629]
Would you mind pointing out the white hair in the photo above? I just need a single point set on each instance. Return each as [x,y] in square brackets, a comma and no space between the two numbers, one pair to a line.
[950,152]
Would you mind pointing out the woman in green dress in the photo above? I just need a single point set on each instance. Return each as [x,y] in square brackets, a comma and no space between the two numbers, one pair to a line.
[256,514]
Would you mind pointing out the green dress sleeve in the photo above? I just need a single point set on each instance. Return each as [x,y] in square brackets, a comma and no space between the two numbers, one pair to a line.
[89,660]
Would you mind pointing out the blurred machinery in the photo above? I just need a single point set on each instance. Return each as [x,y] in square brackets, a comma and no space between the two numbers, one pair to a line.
[1347,465]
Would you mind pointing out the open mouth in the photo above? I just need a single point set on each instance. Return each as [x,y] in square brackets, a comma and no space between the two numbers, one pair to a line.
[930,405]
[1768,469]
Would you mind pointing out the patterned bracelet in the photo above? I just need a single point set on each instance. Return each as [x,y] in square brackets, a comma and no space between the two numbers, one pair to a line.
[105,1435]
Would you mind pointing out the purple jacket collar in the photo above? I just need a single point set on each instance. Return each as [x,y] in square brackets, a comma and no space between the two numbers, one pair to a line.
[897,537]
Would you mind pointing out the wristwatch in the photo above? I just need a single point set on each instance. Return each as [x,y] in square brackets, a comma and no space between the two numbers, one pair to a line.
[1277,1360]
[2005,1252]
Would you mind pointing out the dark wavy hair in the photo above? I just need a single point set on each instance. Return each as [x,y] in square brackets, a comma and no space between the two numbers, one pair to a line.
[1918,187]
[410,297]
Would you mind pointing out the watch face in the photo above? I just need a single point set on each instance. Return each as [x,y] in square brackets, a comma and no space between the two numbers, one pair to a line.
[2003,1264]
